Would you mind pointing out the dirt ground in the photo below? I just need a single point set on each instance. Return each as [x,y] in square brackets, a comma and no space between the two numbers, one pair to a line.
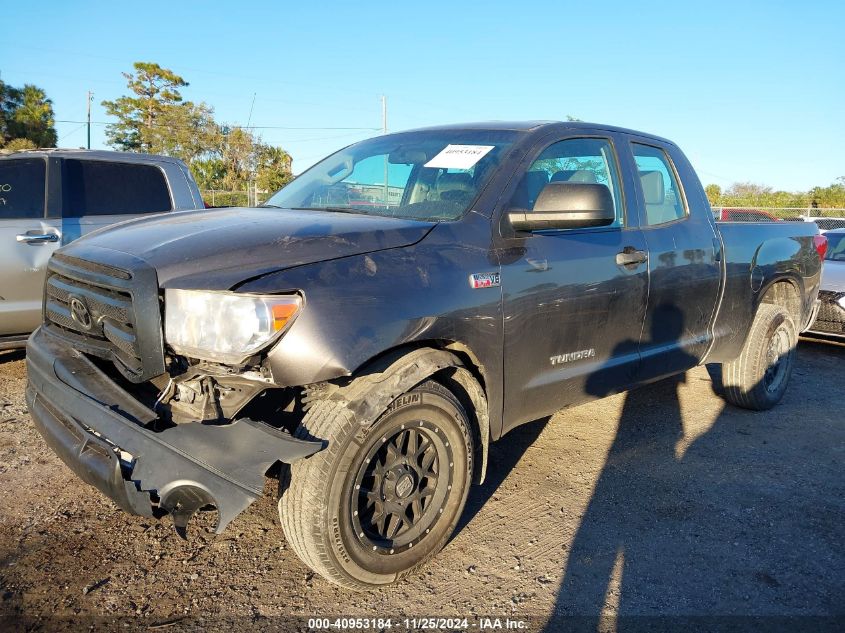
[661,502]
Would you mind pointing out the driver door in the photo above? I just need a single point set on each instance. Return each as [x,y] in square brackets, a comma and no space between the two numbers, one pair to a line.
[573,309]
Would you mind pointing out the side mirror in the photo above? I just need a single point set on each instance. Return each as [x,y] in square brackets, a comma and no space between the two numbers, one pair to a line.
[567,205]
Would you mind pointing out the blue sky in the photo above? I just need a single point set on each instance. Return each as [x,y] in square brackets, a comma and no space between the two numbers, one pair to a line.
[752,91]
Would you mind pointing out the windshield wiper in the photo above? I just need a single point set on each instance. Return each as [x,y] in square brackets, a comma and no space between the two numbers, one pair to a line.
[271,206]
[333,209]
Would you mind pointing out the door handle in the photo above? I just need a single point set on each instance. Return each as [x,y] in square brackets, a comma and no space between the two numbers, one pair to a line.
[41,238]
[630,256]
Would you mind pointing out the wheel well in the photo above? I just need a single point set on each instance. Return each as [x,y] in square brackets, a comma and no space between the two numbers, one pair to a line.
[460,381]
[464,376]
[785,294]
[467,357]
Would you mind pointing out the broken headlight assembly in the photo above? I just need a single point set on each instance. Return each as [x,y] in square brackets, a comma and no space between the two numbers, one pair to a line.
[225,327]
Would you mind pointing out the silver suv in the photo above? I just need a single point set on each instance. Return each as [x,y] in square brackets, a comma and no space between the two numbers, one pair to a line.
[51,197]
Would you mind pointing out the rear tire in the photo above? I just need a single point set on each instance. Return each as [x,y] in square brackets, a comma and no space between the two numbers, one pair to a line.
[378,502]
[759,376]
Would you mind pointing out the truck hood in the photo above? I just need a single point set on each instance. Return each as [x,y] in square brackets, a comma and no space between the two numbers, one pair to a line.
[833,276]
[217,249]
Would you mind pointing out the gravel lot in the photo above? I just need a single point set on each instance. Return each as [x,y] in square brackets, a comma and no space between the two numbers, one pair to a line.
[660,502]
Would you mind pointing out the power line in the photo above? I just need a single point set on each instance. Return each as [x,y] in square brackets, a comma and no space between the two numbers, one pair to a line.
[332,86]
[243,127]
[249,118]
[73,131]
[322,138]
[286,142]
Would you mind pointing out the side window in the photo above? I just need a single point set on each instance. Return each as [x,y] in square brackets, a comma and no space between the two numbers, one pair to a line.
[588,160]
[93,187]
[661,193]
[22,183]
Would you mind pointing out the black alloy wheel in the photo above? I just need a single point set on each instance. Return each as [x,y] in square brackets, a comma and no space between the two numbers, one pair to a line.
[401,488]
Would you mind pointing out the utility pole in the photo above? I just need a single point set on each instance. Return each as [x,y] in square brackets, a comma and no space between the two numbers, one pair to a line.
[384,131]
[254,202]
[384,114]
[90,99]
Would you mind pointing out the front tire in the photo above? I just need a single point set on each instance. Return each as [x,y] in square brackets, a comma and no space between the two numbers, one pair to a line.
[759,376]
[378,502]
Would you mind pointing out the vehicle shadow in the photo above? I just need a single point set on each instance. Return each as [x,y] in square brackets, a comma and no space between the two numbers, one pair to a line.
[738,524]
[9,356]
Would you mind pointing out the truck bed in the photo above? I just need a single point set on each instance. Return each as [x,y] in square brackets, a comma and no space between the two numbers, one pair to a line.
[756,255]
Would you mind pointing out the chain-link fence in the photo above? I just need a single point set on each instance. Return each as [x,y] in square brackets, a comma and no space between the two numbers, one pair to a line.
[248,198]
[826,219]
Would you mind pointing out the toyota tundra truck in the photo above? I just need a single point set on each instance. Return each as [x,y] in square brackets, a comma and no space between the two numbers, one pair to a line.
[365,334]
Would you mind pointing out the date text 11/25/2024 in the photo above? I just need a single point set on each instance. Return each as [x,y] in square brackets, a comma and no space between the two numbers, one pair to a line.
[414,624]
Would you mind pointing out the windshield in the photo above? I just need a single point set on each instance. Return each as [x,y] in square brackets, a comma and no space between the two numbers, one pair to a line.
[427,175]
[835,247]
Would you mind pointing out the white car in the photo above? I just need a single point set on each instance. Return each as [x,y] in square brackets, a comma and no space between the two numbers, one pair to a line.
[831,318]
[825,223]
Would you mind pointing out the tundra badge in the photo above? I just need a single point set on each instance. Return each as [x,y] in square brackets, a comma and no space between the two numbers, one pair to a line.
[571,356]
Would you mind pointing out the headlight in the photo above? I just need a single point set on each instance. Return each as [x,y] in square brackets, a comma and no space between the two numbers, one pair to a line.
[226,327]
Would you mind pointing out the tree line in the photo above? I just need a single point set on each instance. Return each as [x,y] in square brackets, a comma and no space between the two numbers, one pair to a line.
[26,118]
[749,194]
[154,118]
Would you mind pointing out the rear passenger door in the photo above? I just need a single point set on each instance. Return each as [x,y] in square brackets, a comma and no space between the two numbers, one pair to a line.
[27,239]
[573,299]
[97,193]
[684,267]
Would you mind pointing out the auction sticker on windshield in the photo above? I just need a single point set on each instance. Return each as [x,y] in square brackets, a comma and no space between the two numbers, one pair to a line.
[459,156]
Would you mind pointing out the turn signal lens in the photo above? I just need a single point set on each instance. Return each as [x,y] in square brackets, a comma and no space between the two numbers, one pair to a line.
[282,314]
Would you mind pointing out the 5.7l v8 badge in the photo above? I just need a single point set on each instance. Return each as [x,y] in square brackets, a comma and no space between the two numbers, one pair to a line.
[485,280]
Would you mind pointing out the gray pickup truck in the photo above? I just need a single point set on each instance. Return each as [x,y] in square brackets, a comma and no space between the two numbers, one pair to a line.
[369,331]
[51,197]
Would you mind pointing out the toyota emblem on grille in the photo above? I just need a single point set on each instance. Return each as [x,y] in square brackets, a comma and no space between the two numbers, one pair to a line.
[79,313]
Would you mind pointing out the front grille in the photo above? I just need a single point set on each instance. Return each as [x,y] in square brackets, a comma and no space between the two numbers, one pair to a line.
[107,310]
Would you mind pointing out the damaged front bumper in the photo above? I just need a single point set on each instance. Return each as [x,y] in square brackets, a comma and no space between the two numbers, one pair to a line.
[97,429]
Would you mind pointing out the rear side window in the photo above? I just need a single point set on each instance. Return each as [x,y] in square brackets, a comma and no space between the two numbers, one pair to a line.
[22,184]
[94,187]
[661,193]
